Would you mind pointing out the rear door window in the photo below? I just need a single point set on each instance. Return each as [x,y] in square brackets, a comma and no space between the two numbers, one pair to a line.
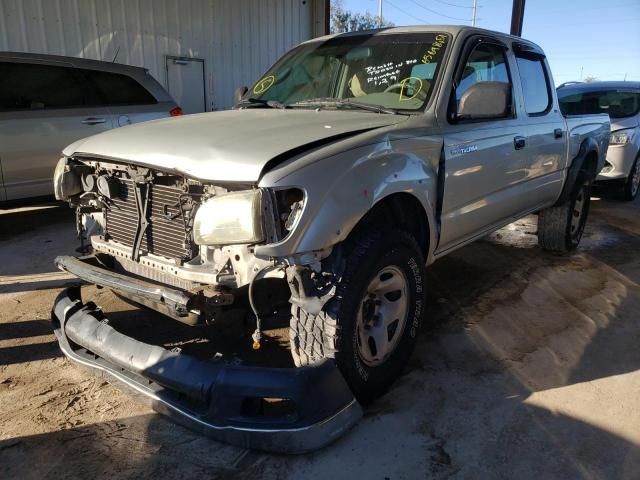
[535,85]
[117,89]
[26,86]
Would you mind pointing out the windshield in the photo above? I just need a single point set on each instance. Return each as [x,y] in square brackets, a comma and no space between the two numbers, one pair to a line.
[618,103]
[388,71]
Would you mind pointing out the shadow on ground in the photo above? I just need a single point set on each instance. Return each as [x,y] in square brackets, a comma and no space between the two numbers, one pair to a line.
[30,238]
[17,221]
[140,447]
[507,327]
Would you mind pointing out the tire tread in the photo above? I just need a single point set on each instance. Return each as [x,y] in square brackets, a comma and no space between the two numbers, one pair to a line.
[554,222]
[315,337]
[552,228]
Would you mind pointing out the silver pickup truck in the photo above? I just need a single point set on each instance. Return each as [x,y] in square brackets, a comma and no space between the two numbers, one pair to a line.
[354,162]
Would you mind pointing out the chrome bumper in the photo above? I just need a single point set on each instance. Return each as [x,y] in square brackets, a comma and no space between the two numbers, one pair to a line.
[212,397]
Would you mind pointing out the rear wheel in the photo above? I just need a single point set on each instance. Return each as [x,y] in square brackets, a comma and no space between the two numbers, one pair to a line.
[560,228]
[370,325]
[632,185]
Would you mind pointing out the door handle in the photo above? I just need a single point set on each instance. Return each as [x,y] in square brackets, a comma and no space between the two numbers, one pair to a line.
[557,133]
[519,143]
[93,121]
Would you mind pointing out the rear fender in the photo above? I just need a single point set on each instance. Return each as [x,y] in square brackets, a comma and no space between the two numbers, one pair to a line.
[579,164]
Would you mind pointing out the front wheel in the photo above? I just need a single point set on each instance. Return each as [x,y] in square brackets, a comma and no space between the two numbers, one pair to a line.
[632,184]
[560,227]
[370,325]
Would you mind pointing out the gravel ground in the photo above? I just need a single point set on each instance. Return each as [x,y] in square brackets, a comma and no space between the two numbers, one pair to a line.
[529,369]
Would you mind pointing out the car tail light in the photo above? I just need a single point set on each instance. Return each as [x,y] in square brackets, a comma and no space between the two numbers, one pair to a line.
[176,112]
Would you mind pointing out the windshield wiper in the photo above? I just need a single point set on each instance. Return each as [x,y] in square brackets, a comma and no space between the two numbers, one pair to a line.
[258,102]
[368,106]
[346,102]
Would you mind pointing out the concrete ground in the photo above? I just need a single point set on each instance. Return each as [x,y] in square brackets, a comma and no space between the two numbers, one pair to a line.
[530,369]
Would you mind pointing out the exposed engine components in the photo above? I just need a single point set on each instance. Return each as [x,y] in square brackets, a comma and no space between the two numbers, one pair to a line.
[296,208]
[89,183]
[309,290]
[289,203]
[108,186]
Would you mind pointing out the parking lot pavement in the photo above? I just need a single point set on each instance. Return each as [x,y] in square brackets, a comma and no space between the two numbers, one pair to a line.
[529,368]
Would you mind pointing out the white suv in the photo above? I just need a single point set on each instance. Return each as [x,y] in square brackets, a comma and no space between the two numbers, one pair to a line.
[621,100]
[47,102]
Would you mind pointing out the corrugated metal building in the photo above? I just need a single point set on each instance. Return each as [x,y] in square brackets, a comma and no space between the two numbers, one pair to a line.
[200,50]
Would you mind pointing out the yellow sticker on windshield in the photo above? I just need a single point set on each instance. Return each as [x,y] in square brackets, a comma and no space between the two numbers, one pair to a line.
[438,43]
[264,85]
[410,83]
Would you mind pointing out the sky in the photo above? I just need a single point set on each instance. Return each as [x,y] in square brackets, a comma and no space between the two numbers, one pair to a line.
[580,37]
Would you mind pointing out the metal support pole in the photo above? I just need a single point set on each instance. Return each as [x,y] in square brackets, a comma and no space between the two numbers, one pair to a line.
[327,17]
[517,16]
[473,13]
[380,13]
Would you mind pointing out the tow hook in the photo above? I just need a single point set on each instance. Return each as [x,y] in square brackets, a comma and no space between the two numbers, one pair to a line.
[206,298]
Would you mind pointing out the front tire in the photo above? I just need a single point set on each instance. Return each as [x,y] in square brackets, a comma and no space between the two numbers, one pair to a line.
[560,227]
[370,325]
[632,185]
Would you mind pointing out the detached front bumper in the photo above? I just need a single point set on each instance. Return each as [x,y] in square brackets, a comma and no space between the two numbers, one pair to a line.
[217,399]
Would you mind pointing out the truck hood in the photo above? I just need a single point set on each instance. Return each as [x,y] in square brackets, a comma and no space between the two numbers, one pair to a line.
[627,122]
[229,146]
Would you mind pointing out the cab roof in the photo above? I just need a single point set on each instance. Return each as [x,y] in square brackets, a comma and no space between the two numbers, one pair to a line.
[453,30]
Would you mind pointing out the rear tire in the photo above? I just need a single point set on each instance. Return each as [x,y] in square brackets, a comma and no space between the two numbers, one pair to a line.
[560,227]
[632,185]
[370,325]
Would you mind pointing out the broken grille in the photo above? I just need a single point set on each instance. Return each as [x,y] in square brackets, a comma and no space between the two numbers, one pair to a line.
[166,234]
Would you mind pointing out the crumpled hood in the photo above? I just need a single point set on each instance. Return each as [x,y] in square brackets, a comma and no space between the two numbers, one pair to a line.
[620,123]
[233,145]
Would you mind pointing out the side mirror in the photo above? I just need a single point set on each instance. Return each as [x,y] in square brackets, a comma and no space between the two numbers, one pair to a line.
[485,100]
[239,93]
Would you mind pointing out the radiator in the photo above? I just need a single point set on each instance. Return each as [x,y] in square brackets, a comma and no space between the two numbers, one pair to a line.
[165,235]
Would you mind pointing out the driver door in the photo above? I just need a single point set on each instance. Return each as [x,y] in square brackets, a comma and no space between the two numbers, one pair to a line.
[485,159]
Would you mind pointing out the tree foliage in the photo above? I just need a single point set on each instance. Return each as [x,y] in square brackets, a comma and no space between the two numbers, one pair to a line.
[343,20]
[589,79]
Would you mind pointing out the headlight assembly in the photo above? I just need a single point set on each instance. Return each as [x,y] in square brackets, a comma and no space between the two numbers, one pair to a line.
[66,180]
[228,219]
[621,137]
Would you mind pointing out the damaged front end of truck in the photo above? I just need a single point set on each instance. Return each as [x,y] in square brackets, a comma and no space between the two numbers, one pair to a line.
[186,248]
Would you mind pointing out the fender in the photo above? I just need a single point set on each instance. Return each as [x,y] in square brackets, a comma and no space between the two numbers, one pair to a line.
[589,145]
[342,188]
